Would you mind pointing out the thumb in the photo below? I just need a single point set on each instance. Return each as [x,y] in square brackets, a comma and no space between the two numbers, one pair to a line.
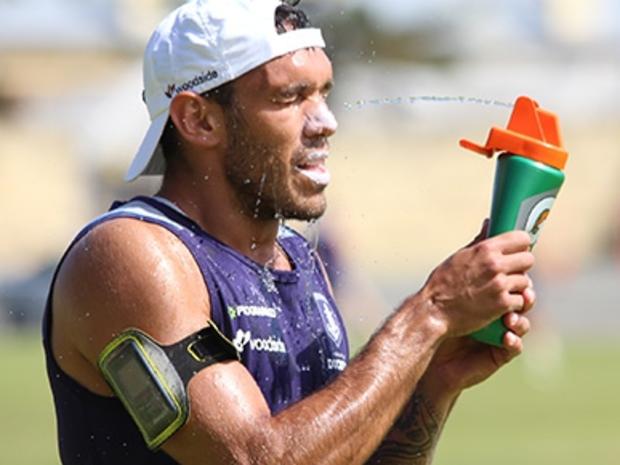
[482,235]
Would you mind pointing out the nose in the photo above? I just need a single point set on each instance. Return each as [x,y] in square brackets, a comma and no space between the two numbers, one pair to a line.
[320,121]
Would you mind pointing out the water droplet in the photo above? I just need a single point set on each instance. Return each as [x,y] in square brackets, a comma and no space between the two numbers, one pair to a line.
[260,193]
[361,103]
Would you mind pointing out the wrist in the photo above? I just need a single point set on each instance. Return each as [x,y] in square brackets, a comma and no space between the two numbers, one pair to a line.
[436,319]
[437,387]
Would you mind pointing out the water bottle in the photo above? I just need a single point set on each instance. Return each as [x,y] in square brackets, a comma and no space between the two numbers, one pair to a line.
[528,178]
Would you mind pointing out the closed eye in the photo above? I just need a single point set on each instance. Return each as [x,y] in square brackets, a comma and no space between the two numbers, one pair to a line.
[296,93]
[292,93]
[288,99]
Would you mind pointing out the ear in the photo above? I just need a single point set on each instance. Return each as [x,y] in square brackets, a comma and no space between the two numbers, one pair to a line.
[198,120]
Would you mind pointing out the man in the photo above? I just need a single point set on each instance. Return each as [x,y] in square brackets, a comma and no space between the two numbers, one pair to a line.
[237,94]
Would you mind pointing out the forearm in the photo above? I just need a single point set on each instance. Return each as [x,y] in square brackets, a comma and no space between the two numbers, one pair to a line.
[345,422]
[458,364]
[414,436]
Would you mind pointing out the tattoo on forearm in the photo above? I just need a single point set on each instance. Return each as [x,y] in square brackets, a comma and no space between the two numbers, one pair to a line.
[412,439]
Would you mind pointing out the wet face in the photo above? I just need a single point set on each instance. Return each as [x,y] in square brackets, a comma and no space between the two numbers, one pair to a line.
[278,128]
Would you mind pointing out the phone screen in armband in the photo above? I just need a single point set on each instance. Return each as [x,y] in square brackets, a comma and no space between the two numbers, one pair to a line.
[144,380]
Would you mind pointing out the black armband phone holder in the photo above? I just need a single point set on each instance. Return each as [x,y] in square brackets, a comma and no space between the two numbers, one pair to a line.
[151,379]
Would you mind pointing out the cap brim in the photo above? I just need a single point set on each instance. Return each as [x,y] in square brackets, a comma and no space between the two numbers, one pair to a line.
[149,158]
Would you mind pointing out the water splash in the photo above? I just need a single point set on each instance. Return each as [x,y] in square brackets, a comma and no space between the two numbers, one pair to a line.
[312,233]
[359,104]
[259,197]
[268,281]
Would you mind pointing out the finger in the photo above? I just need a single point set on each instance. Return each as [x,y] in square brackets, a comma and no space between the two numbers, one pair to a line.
[509,350]
[518,262]
[511,302]
[482,235]
[517,323]
[512,242]
[484,230]
[517,283]
[513,344]
[529,299]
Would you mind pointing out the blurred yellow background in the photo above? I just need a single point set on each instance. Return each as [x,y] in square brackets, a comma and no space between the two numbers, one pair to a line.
[404,196]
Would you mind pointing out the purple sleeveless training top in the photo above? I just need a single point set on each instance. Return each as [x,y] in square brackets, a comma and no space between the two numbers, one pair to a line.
[285,325]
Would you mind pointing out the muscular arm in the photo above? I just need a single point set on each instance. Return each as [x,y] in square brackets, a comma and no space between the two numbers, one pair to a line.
[341,424]
[126,273]
[458,364]
[414,436]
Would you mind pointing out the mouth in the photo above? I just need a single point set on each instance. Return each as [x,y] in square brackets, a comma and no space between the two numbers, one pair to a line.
[313,167]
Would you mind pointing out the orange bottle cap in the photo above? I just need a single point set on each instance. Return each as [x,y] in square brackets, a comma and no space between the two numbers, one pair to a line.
[532,132]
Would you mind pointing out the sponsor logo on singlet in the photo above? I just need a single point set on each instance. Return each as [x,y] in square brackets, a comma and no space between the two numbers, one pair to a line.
[332,327]
[336,364]
[244,339]
[251,311]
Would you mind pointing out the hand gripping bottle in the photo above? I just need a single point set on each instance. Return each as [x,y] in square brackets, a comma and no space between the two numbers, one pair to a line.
[528,178]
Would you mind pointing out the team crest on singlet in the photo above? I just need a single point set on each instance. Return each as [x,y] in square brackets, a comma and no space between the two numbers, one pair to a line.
[329,318]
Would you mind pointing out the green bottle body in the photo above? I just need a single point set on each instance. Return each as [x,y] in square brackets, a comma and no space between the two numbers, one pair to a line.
[523,194]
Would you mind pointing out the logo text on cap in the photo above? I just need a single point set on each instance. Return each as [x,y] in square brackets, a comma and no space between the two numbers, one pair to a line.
[173,89]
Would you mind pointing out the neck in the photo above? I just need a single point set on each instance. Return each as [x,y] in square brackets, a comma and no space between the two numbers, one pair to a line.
[211,202]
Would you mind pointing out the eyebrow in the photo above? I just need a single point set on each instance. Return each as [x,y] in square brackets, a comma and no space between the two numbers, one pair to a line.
[303,86]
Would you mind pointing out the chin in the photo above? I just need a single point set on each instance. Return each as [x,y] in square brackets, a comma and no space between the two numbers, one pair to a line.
[308,210]
[304,215]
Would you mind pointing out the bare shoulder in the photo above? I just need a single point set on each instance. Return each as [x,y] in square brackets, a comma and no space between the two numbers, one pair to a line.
[125,273]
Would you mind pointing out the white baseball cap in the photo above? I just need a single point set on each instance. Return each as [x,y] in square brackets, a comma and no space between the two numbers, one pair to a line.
[200,46]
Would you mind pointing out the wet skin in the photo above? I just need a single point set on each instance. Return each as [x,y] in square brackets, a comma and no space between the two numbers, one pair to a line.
[242,168]
[273,153]
[127,273]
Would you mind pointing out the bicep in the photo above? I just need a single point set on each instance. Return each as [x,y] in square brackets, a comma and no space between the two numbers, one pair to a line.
[227,413]
[150,281]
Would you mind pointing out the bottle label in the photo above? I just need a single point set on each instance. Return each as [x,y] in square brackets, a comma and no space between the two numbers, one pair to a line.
[534,212]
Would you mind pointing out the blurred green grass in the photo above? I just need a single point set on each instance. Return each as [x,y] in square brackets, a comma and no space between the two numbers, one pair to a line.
[566,412]
[27,429]
[535,412]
